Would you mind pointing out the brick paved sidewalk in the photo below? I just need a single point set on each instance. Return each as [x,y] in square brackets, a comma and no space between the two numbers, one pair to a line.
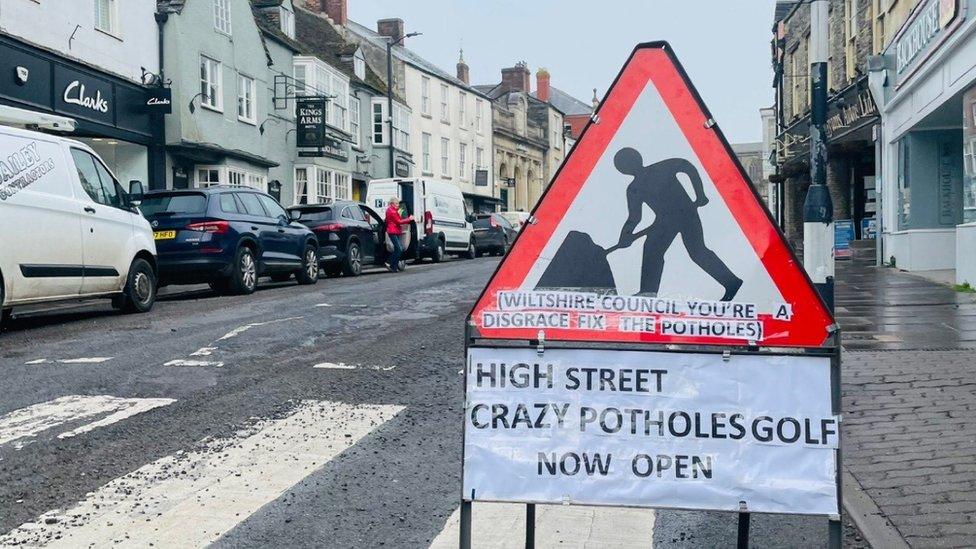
[909,401]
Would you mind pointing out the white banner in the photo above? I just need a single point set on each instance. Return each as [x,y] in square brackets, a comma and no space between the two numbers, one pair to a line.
[650,429]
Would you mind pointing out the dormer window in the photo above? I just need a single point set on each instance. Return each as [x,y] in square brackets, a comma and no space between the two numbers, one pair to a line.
[359,65]
[287,18]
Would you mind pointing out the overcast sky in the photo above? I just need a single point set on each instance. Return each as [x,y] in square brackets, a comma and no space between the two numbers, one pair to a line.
[723,44]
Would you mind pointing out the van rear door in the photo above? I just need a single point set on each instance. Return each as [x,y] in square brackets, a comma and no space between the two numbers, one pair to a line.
[40,250]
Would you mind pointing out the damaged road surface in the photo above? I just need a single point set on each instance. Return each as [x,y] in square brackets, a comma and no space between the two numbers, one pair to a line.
[318,416]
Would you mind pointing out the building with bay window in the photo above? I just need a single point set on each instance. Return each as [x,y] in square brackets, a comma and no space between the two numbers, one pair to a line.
[441,124]
[225,127]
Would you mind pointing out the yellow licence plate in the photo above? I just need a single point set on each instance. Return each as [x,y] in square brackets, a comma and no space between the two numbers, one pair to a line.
[164,235]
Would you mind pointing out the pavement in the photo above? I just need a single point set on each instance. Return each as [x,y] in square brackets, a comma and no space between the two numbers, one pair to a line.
[909,401]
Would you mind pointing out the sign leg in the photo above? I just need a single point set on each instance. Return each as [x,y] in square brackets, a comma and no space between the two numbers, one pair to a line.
[743,538]
[465,542]
[530,526]
[836,534]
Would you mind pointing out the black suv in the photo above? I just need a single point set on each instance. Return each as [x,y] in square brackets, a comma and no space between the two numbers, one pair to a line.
[351,236]
[228,237]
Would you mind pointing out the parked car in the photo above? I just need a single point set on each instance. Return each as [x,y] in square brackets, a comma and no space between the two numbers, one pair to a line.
[442,223]
[69,230]
[517,219]
[351,236]
[228,237]
[493,234]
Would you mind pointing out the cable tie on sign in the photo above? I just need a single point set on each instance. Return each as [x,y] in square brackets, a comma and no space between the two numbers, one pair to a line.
[710,123]
[726,355]
[567,500]
[743,507]
[833,328]
[541,347]
[595,118]
[532,220]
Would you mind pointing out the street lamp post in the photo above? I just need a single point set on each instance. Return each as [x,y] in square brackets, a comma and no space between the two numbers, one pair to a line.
[818,215]
[389,88]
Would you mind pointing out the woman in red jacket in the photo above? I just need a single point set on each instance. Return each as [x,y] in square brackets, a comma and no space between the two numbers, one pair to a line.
[394,229]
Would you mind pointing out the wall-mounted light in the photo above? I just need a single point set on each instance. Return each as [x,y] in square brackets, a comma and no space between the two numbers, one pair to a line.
[192,108]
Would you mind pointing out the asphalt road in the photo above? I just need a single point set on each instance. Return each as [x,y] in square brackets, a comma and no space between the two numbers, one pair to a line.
[321,416]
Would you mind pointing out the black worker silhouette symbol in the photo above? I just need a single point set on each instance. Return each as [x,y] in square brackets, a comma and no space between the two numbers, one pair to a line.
[581,264]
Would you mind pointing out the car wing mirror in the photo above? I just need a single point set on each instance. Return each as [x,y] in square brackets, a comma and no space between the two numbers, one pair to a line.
[294,215]
[136,190]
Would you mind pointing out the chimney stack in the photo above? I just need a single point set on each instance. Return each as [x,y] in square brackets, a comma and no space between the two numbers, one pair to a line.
[391,28]
[517,78]
[542,92]
[336,10]
[462,69]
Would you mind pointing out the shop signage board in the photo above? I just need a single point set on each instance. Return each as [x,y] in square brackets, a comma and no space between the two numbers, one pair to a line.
[843,235]
[623,352]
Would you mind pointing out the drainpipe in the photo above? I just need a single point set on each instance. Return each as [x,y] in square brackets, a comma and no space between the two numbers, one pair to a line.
[877,81]
[157,148]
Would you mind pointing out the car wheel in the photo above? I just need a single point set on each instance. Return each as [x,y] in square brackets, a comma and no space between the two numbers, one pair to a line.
[354,261]
[470,252]
[310,267]
[244,278]
[139,294]
[438,254]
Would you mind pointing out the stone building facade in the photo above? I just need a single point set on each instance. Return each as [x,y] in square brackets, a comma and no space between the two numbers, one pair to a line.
[529,143]
[852,115]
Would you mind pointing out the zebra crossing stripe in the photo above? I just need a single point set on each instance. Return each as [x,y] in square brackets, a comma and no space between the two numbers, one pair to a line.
[22,425]
[502,525]
[190,499]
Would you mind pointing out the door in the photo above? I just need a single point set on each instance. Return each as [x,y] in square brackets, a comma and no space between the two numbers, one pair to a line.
[290,242]
[378,233]
[266,230]
[40,250]
[352,215]
[106,226]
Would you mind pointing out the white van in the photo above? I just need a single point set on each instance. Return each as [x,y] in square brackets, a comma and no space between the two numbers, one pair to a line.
[67,228]
[442,222]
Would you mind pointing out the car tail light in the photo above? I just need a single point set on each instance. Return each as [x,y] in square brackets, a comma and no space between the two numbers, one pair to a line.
[215,227]
[328,227]
[428,223]
[493,223]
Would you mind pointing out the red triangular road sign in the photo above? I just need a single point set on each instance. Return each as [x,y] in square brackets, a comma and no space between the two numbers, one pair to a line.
[651,233]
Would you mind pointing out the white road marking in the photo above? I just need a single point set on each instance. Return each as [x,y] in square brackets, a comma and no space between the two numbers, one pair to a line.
[200,363]
[241,329]
[191,499]
[204,351]
[92,360]
[334,366]
[31,421]
[502,526]
[323,305]
[344,366]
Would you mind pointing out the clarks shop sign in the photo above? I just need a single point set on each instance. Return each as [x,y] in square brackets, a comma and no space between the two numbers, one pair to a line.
[932,23]
[83,95]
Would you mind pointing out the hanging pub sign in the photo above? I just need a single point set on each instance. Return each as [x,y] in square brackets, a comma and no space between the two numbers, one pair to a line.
[159,100]
[310,119]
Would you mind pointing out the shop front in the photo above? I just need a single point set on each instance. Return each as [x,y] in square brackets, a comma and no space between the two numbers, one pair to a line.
[120,120]
[927,83]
